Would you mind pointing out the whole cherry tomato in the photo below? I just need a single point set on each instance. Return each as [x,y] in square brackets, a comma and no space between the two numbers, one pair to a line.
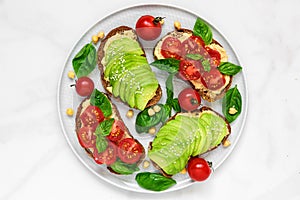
[148,27]
[84,86]
[199,169]
[189,99]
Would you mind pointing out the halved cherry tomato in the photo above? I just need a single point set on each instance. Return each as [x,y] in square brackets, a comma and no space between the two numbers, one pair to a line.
[192,45]
[108,157]
[198,169]
[190,69]
[129,150]
[171,48]
[91,117]
[117,131]
[215,56]
[213,79]
[86,137]
[189,99]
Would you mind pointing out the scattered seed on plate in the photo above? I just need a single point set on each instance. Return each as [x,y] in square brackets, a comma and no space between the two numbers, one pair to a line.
[152,130]
[226,143]
[69,111]
[177,25]
[71,74]
[146,164]
[95,39]
[100,35]
[129,113]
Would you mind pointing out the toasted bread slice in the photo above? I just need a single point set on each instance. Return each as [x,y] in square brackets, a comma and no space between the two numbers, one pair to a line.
[116,115]
[119,32]
[187,135]
[207,94]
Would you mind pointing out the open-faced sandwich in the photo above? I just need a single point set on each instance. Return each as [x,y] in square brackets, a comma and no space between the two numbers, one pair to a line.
[125,71]
[199,59]
[105,137]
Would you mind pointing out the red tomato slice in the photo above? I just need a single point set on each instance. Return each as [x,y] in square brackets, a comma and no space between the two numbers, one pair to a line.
[213,79]
[215,56]
[91,117]
[190,69]
[129,150]
[108,157]
[192,45]
[117,131]
[171,48]
[86,137]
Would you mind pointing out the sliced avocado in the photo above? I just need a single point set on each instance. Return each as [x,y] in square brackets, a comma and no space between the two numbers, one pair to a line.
[143,96]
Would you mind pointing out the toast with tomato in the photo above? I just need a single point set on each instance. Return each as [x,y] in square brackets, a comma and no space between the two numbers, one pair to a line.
[102,133]
[198,62]
[186,135]
[125,72]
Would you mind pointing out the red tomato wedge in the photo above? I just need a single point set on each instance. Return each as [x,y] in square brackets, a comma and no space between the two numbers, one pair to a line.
[91,117]
[86,137]
[108,157]
[129,150]
[171,48]
[117,131]
[192,45]
[213,79]
[190,69]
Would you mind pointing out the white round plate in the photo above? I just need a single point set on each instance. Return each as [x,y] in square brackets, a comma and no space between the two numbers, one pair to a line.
[67,97]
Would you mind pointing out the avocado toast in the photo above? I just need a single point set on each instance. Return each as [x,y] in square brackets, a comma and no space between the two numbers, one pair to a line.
[125,72]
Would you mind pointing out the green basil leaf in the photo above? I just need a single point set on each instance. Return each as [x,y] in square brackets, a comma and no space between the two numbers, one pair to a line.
[175,105]
[166,113]
[194,56]
[206,65]
[104,128]
[124,168]
[101,143]
[228,68]
[203,30]
[169,88]
[154,181]
[100,100]
[144,122]
[85,61]
[232,99]
[170,65]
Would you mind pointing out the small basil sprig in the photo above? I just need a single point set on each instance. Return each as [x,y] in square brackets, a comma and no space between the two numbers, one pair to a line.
[228,68]
[170,100]
[85,60]
[232,104]
[170,65]
[124,168]
[101,142]
[205,62]
[104,128]
[100,100]
[154,181]
[203,30]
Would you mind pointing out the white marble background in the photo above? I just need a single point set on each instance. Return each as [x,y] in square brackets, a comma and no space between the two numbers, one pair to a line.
[35,159]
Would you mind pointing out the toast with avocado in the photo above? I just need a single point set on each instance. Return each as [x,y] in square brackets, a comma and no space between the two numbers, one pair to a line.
[199,62]
[187,135]
[102,133]
[125,72]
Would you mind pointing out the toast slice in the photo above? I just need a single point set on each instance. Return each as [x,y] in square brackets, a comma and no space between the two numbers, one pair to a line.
[187,135]
[124,69]
[118,133]
[206,93]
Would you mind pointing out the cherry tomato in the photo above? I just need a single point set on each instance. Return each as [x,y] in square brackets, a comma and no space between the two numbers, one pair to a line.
[91,117]
[198,169]
[108,157]
[86,137]
[189,69]
[84,86]
[129,150]
[117,131]
[192,45]
[148,27]
[213,79]
[171,48]
[189,99]
[215,56]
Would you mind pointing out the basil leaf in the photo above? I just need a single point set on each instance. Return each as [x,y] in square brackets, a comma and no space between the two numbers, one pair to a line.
[124,168]
[85,61]
[154,181]
[166,113]
[203,30]
[232,100]
[195,56]
[206,65]
[228,68]
[144,122]
[170,65]
[104,128]
[101,143]
[100,100]
[175,105]
[169,89]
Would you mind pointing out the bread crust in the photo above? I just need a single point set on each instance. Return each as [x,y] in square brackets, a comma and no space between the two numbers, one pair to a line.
[101,54]
[205,93]
[118,116]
